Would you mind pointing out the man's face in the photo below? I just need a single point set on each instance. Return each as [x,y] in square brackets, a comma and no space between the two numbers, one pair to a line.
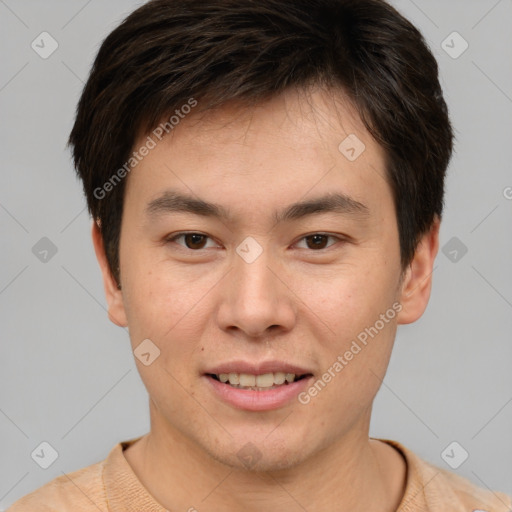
[249,290]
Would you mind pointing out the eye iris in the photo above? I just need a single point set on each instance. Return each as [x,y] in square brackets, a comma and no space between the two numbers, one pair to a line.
[319,241]
[192,239]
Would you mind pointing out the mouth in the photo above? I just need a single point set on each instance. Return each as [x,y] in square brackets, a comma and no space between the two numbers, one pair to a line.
[257,386]
[261,382]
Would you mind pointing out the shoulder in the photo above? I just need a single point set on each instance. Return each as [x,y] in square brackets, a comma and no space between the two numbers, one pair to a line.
[78,491]
[467,492]
[468,495]
[442,490]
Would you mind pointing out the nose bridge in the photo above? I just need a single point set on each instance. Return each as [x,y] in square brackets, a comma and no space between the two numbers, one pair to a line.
[255,298]
[254,279]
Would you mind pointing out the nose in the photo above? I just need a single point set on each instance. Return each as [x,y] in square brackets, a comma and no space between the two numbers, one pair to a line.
[257,298]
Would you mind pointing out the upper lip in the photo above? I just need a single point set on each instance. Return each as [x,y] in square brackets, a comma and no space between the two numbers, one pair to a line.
[260,368]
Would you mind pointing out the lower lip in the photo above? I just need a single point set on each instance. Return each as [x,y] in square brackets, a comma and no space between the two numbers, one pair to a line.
[251,400]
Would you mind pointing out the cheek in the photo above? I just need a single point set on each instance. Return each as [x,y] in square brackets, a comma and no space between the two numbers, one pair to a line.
[350,300]
[165,306]
[355,357]
[358,310]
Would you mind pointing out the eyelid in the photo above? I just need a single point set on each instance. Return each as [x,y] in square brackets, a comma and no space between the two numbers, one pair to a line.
[173,237]
[339,238]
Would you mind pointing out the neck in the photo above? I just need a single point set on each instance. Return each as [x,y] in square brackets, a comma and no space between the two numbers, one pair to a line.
[353,474]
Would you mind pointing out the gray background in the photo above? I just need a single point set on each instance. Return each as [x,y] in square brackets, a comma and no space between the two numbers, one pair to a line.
[68,375]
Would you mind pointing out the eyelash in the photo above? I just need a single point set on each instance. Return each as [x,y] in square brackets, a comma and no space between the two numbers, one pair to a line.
[173,238]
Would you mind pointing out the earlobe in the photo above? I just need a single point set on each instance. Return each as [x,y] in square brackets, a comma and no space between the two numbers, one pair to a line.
[417,281]
[116,310]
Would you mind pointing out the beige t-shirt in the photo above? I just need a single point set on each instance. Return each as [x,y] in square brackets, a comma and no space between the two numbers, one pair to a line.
[112,486]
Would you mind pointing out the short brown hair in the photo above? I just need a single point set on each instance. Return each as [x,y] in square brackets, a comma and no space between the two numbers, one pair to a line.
[216,51]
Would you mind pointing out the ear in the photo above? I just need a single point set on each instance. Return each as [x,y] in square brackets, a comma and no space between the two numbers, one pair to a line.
[114,295]
[417,280]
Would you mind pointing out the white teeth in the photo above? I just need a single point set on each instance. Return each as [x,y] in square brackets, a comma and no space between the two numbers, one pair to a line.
[266,380]
[246,380]
[279,378]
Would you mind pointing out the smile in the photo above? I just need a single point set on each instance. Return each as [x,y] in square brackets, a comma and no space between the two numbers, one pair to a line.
[260,382]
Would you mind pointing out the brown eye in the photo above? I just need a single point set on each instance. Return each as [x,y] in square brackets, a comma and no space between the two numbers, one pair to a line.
[194,240]
[316,241]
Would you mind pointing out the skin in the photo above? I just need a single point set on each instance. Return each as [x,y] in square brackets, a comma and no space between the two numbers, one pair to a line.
[295,303]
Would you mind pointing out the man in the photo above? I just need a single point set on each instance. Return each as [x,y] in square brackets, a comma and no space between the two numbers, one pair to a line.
[266,182]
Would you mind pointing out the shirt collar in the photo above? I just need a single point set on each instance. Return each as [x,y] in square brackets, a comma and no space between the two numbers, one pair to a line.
[126,493]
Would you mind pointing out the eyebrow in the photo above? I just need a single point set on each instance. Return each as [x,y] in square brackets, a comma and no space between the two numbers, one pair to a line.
[171,202]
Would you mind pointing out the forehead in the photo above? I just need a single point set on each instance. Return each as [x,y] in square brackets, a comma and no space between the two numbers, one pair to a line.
[298,116]
[292,147]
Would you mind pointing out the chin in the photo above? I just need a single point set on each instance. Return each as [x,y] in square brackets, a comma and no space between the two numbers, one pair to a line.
[260,455]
